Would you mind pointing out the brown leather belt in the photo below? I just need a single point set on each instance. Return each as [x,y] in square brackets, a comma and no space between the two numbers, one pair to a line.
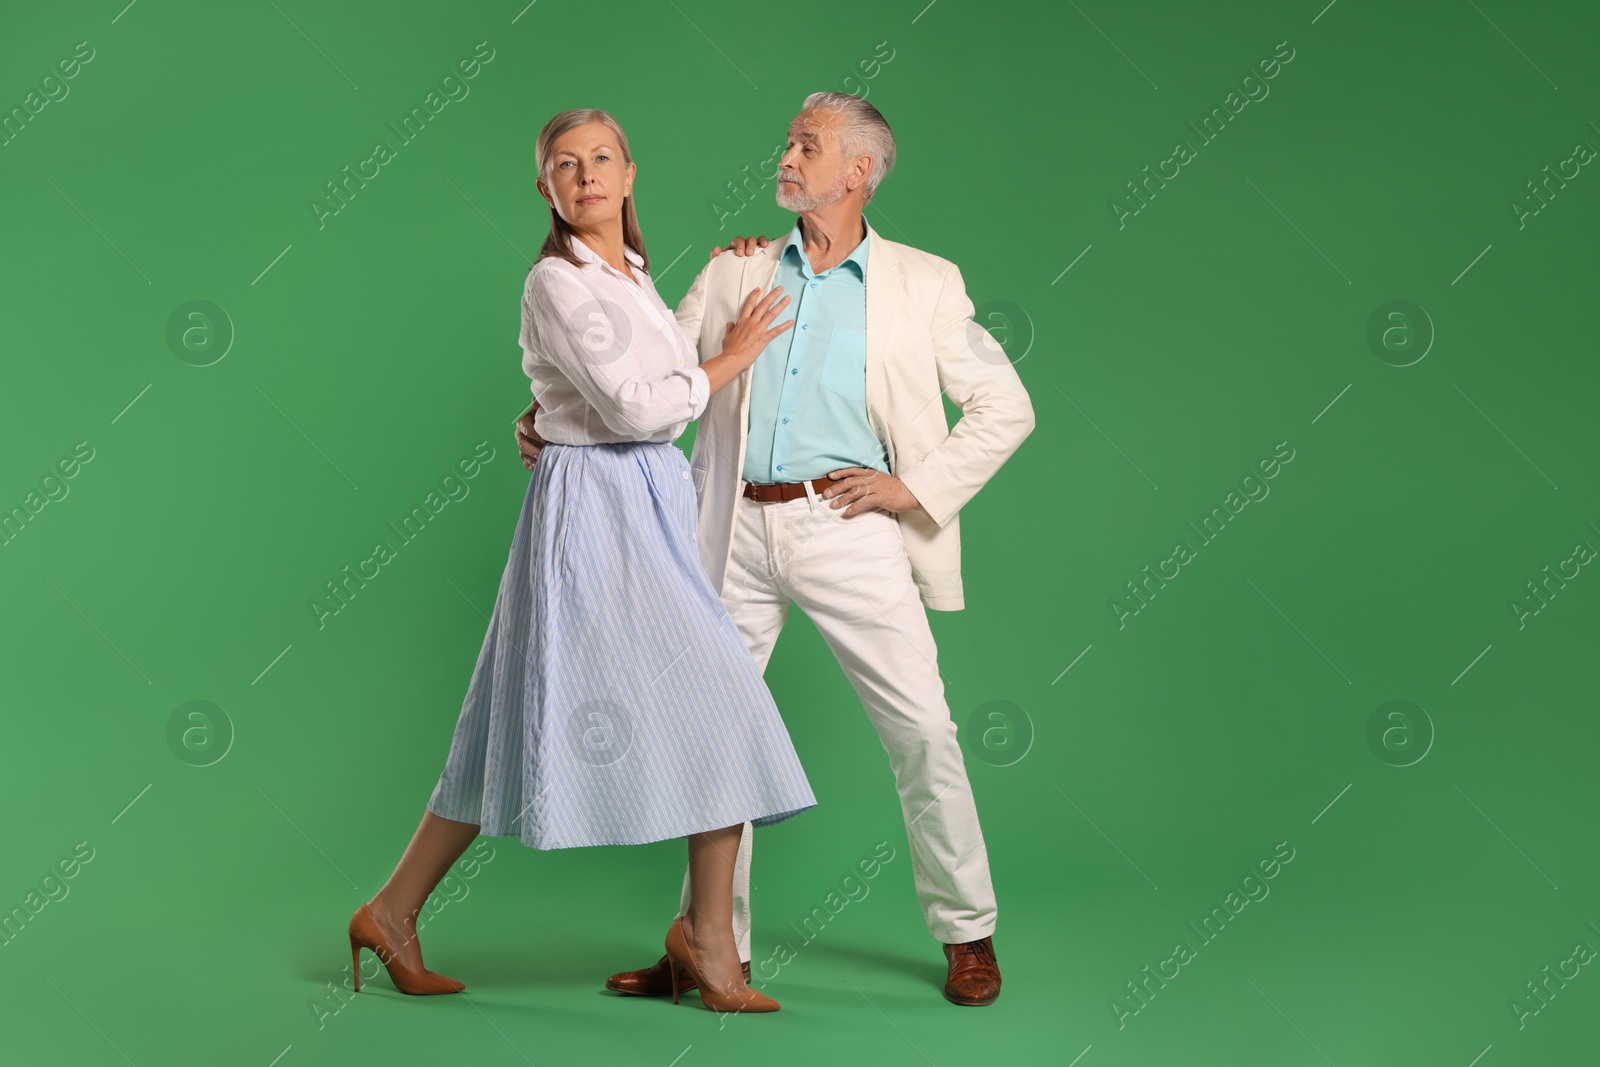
[780,491]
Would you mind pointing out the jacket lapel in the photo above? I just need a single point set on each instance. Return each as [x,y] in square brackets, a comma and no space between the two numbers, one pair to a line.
[757,273]
[884,284]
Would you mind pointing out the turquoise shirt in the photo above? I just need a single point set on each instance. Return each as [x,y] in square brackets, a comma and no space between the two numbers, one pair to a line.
[808,388]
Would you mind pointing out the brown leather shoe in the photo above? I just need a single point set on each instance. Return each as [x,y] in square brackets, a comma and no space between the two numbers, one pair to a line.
[974,977]
[656,981]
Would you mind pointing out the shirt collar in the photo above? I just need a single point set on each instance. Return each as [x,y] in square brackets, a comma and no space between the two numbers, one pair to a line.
[587,255]
[857,257]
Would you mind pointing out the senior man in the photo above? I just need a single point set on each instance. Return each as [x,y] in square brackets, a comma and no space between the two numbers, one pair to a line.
[829,478]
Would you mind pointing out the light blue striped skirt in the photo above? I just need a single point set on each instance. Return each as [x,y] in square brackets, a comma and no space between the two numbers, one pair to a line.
[614,702]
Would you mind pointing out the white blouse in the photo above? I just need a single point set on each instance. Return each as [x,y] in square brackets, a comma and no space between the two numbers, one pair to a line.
[607,359]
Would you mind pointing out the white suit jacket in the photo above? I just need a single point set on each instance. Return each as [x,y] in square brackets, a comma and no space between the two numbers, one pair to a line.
[921,341]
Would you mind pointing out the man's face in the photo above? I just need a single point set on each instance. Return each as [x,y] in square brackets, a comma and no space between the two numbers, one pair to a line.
[811,170]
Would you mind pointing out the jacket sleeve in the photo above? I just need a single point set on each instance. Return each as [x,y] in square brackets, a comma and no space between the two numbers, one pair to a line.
[996,414]
[602,348]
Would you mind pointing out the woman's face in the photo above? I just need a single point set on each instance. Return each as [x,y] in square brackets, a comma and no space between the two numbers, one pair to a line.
[587,177]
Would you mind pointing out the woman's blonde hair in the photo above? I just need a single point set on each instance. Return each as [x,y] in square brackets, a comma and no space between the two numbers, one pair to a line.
[561,234]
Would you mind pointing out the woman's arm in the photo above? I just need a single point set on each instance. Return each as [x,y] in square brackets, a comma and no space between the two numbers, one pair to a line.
[745,338]
[601,347]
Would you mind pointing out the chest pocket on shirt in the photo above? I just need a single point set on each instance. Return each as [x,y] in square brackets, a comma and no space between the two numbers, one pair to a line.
[844,370]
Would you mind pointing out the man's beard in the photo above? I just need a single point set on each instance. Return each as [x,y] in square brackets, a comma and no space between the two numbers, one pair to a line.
[800,201]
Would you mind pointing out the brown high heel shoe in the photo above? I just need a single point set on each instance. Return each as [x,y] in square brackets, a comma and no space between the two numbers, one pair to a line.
[366,933]
[679,954]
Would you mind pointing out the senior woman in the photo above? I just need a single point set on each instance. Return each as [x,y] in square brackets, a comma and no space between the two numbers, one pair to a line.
[613,702]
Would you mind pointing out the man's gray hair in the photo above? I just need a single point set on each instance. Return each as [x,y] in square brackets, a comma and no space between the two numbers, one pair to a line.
[862,131]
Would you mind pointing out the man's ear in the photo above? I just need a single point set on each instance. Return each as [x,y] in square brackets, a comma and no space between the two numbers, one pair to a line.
[860,167]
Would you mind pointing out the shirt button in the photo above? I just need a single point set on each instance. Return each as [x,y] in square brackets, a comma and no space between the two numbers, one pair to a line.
[795,371]
[807,326]
[685,475]
[813,285]
[780,466]
[786,422]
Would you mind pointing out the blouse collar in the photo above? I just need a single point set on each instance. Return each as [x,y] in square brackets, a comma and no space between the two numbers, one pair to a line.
[588,255]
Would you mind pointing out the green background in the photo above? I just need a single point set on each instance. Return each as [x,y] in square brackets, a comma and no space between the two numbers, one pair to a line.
[1162,756]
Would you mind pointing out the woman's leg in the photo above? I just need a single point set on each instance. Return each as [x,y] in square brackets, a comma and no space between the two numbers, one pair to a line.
[708,921]
[436,845]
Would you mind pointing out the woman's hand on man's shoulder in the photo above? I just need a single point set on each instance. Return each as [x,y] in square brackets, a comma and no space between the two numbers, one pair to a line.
[741,246]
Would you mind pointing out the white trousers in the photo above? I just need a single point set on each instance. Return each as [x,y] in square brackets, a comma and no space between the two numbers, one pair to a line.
[852,579]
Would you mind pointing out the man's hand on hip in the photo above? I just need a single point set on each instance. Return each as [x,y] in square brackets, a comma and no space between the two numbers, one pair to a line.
[858,488]
[528,440]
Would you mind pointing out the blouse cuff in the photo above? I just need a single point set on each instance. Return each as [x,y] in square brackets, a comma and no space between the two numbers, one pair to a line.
[699,391]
